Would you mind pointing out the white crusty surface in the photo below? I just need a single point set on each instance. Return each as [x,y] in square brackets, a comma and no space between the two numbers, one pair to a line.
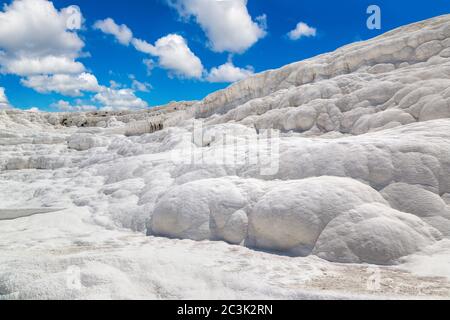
[362,177]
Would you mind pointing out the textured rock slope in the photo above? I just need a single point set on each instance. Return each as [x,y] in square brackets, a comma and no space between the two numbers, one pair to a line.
[362,156]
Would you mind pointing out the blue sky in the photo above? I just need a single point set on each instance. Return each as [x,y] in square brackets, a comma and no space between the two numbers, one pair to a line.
[113,65]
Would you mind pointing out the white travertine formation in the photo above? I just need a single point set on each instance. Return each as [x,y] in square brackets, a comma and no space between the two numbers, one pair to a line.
[361,174]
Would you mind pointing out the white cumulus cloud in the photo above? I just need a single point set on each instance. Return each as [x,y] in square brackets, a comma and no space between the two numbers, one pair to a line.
[144,46]
[121,99]
[173,55]
[302,30]
[65,106]
[228,73]
[70,85]
[227,24]
[33,109]
[25,66]
[35,38]
[172,50]
[121,32]
[4,103]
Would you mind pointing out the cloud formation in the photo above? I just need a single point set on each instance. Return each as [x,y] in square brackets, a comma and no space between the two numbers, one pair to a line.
[121,32]
[40,44]
[302,30]
[33,109]
[227,24]
[46,47]
[4,103]
[172,50]
[173,55]
[44,39]
[29,66]
[228,73]
[138,85]
[119,99]
[65,106]
[70,85]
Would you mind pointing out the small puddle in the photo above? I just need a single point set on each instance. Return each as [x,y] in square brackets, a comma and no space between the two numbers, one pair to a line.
[11,214]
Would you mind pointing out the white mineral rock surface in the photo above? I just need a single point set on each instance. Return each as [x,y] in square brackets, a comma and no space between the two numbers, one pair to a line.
[327,178]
